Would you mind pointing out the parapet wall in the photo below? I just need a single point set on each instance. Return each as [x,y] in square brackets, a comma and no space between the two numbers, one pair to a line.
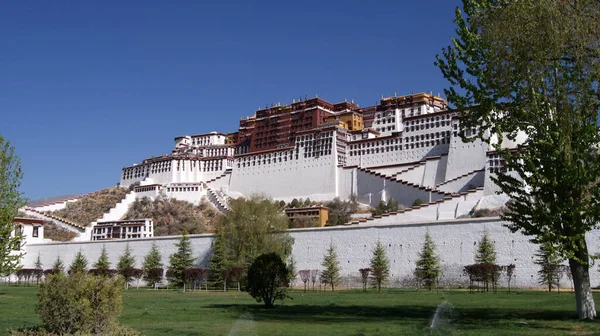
[456,242]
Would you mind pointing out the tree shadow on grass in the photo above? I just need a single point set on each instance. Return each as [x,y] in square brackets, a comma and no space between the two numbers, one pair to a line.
[357,313]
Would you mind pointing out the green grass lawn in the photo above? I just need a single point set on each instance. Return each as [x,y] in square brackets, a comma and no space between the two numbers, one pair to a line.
[394,312]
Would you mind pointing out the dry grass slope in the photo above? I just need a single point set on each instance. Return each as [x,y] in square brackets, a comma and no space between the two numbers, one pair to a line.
[171,216]
[57,233]
[91,207]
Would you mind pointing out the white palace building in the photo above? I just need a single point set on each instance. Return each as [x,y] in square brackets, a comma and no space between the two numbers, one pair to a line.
[404,148]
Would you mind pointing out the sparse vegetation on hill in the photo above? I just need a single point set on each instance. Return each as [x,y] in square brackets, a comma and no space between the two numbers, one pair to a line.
[57,233]
[171,216]
[340,211]
[91,207]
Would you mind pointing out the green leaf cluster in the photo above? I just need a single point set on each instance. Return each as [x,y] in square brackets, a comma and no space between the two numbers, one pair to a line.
[252,227]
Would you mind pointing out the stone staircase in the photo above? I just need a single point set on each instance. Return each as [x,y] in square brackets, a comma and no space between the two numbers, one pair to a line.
[120,209]
[450,207]
[215,182]
[217,199]
[436,194]
[475,177]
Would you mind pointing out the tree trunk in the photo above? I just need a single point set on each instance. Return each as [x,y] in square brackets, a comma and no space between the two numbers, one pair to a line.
[586,308]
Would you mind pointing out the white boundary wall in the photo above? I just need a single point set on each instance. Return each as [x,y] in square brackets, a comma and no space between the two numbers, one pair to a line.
[456,242]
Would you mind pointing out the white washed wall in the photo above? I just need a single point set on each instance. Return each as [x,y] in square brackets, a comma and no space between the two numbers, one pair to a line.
[456,242]
[305,177]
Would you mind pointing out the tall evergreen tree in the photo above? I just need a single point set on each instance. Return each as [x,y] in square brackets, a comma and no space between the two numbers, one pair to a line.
[79,264]
[428,265]
[153,263]
[126,260]
[38,262]
[58,266]
[380,266]
[549,262]
[181,260]
[11,200]
[218,261]
[102,263]
[486,252]
[153,259]
[331,273]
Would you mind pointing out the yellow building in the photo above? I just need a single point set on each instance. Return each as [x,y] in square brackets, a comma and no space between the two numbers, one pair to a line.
[313,216]
[350,120]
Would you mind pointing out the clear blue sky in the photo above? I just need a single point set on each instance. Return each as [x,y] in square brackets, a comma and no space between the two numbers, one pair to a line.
[87,88]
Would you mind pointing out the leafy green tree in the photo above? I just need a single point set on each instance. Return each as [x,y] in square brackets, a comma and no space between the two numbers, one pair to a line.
[252,227]
[486,252]
[79,264]
[428,265]
[380,266]
[530,69]
[331,273]
[11,200]
[58,266]
[550,266]
[152,264]
[307,202]
[268,279]
[102,263]
[181,260]
[295,203]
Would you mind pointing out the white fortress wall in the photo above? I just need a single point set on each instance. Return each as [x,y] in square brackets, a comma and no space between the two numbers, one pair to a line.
[412,175]
[190,192]
[435,170]
[372,189]
[378,154]
[456,243]
[464,157]
[347,182]
[313,177]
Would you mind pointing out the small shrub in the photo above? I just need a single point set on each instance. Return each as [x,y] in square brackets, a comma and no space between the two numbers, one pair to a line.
[268,279]
[418,202]
[39,331]
[80,303]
